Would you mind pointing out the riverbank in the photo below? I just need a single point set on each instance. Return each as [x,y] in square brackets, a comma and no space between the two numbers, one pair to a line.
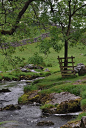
[26,115]
[40,91]
[52,83]
[47,91]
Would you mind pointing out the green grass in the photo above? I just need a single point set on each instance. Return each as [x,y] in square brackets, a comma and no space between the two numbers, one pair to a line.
[53,81]
[51,59]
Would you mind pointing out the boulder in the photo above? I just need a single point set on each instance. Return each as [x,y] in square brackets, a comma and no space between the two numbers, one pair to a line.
[11,107]
[80,69]
[24,70]
[54,103]
[32,66]
[32,70]
[83,122]
[4,90]
[47,70]
[75,124]
[63,102]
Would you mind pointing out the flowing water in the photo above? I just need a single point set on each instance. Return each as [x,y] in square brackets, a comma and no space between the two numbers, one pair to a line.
[28,115]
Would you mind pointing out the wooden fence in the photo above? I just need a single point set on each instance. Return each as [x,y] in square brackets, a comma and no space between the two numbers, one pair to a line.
[69,69]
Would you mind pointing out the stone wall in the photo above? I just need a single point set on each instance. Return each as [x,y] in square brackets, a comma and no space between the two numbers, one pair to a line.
[25,41]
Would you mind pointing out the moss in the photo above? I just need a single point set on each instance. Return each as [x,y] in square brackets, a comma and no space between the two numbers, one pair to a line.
[47,101]
[71,124]
[35,98]
[11,107]
[71,106]
[23,99]
[47,106]
[44,97]
[74,105]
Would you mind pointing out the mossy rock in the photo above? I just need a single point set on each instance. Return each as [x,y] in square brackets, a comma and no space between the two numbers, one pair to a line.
[35,98]
[44,98]
[45,123]
[38,97]
[11,107]
[52,110]
[74,124]
[23,99]
[29,97]
[69,106]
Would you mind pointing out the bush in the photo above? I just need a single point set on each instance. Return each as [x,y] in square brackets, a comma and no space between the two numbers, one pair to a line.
[83,95]
[36,59]
[83,104]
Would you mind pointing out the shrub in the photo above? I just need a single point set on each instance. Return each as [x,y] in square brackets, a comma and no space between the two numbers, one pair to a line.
[83,95]
[36,59]
[83,104]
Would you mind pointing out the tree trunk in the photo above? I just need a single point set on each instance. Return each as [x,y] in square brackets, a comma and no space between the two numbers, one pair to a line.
[65,53]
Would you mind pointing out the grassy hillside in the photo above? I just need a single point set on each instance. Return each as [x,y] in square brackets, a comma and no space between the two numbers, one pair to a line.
[51,59]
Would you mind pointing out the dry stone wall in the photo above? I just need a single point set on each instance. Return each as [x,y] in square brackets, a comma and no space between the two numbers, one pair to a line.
[25,41]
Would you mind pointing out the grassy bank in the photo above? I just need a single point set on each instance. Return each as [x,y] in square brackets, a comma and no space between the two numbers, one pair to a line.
[28,51]
[53,81]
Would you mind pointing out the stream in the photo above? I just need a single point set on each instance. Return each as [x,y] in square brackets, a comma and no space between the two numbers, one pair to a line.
[29,115]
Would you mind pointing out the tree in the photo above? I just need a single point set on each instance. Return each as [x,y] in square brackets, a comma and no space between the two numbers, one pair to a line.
[14,19]
[11,13]
[70,16]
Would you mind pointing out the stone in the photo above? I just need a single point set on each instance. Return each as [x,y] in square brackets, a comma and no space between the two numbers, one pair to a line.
[46,123]
[63,102]
[83,122]
[32,66]
[75,124]
[5,90]
[32,70]
[47,70]
[24,70]
[11,107]
[80,69]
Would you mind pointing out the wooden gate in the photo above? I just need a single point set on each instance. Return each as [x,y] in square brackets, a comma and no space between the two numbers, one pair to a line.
[69,68]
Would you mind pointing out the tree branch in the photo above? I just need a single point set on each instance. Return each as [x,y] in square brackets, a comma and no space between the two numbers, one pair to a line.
[37,16]
[15,26]
[78,9]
